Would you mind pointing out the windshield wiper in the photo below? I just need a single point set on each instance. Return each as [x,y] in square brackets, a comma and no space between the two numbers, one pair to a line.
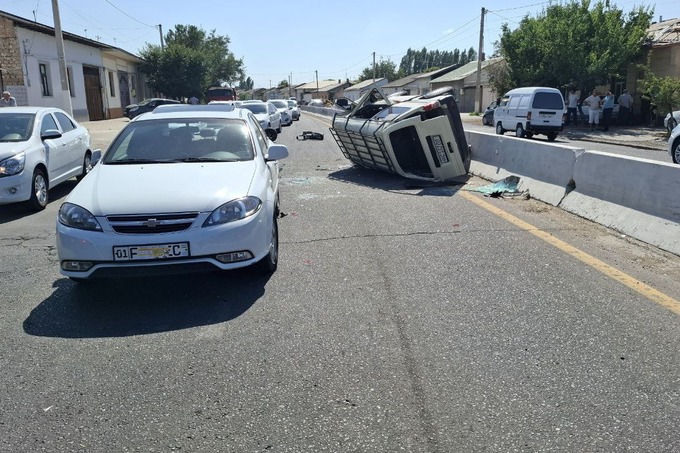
[200,159]
[138,161]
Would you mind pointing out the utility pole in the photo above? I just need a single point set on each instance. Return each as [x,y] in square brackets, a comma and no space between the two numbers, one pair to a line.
[317,83]
[63,73]
[373,67]
[160,30]
[480,57]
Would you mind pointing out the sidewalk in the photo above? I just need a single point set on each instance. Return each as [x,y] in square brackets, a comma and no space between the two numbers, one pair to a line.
[634,136]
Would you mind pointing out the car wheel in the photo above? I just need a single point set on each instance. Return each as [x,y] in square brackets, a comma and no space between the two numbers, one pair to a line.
[519,132]
[270,262]
[87,166]
[499,128]
[39,190]
[552,136]
[675,155]
[672,124]
[485,121]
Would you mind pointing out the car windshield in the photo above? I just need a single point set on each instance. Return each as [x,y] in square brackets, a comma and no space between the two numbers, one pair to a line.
[255,107]
[16,127]
[292,104]
[280,104]
[182,140]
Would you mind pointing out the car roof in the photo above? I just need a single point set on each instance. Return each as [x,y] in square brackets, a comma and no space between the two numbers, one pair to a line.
[30,109]
[193,111]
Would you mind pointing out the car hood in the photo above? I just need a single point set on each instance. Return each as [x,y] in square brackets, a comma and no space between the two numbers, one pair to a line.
[9,149]
[158,188]
[262,116]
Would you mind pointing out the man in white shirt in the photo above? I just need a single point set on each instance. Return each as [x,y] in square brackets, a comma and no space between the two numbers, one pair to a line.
[7,100]
[572,104]
[593,102]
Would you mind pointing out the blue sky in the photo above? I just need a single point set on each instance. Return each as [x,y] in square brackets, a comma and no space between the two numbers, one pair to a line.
[281,40]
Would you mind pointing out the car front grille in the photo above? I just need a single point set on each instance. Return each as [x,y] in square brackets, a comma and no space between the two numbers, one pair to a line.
[152,223]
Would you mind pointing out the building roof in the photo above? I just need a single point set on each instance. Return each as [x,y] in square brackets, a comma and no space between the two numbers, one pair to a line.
[464,71]
[437,72]
[664,33]
[401,82]
[42,28]
[313,85]
[364,84]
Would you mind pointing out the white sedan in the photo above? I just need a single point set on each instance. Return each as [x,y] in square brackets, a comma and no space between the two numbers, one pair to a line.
[40,148]
[671,120]
[179,189]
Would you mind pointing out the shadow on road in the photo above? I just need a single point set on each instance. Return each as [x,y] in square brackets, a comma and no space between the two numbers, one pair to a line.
[375,179]
[16,211]
[136,306]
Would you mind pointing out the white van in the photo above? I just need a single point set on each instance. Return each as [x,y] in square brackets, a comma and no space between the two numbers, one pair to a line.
[529,111]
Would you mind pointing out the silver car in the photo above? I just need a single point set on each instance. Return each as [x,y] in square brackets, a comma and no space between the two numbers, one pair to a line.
[40,147]
[266,113]
[674,145]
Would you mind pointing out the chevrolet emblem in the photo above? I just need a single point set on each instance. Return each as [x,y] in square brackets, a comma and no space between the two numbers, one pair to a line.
[152,223]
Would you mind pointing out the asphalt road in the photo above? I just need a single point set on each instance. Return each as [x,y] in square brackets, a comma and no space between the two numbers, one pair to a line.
[416,319]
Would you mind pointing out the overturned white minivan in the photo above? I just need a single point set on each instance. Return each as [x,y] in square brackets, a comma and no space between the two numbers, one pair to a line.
[529,111]
[418,137]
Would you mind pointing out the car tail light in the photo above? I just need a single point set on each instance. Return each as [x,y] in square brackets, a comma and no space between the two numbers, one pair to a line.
[431,106]
[528,116]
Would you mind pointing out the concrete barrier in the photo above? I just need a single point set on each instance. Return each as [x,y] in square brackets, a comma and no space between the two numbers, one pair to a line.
[638,197]
[546,170]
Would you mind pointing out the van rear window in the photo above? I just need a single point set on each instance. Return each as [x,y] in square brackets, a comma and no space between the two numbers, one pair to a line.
[221,92]
[552,101]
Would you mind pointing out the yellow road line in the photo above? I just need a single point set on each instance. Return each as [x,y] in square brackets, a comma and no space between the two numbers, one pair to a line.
[611,272]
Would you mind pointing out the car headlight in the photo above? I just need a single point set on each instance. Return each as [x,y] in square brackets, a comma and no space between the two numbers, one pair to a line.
[13,165]
[234,210]
[75,216]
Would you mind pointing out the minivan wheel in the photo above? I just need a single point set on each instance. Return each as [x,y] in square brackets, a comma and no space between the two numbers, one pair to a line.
[519,132]
[499,128]
[552,136]
[39,190]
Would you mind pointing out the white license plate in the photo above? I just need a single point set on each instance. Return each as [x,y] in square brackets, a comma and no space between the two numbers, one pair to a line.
[150,252]
[547,115]
[439,149]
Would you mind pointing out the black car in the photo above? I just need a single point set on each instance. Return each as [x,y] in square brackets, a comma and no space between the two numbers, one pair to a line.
[146,105]
[487,118]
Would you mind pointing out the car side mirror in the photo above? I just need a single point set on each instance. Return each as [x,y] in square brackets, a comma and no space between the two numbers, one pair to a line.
[277,152]
[50,134]
[96,156]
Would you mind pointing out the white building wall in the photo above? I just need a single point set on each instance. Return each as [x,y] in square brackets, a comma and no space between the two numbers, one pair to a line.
[38,48]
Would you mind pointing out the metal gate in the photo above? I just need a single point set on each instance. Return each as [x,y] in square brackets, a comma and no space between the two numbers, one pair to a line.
[93,93]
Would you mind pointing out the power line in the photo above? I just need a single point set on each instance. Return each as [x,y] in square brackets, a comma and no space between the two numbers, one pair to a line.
[126,14]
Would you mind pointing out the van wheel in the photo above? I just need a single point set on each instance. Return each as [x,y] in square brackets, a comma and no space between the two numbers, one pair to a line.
[552,136]
[519,132]
[499,128]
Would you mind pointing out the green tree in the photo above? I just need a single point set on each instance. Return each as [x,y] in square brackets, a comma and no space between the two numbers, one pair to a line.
[384,68]
[664,92]
[573,45]
[191,62]
[418,61]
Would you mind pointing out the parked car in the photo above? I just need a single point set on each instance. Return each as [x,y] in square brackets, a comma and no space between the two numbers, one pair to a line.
[266,113]
[674,145]
[529,111]
[294,109]
[40,148]
[146,105]
[183,188]
[283,108]
[671,120]
[487,117]
[419,138]
[615,111]
[316,103]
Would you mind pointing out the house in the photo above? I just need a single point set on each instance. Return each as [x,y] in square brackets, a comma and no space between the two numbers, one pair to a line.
[102,79]
[318,89]
[399,85]
[464,82]
[355,91]
[421,83]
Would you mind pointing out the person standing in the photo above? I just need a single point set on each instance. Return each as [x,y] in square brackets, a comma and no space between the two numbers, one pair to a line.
[572,104]
[625,107]
[7,100]
[607,110]
[193,100]
[593,103]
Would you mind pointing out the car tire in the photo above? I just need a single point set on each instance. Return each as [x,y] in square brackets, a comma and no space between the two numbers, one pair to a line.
[675,155]
[485,121]
[499,128]
[270,262]
[519,131]
[39,190]
[552,136]
[87,166]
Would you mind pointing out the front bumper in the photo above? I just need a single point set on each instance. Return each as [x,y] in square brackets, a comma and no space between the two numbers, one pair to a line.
[251,235]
